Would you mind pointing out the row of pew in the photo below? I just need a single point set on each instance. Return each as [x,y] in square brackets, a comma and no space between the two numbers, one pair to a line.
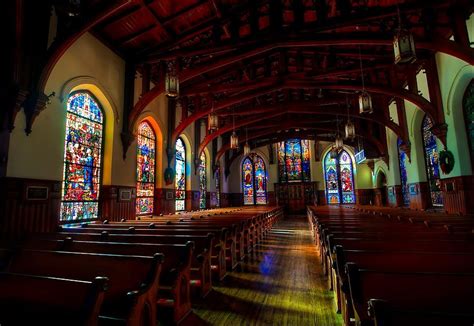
[133,272]
[391,269]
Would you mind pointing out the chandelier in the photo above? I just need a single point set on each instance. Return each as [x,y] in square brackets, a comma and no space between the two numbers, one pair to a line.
[234,140]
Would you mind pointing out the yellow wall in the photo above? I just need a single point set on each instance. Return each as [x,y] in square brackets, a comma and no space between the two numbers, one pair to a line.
[88,63]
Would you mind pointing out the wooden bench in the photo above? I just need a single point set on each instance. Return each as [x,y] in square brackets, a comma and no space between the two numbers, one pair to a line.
[40,300]
[203,245]
[394,261]
[449,295]
[133,286]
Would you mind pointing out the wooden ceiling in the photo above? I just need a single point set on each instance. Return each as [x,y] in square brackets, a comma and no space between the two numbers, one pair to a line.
[276,67]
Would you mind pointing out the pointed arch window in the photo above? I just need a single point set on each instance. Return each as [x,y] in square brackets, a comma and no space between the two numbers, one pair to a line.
[202,181]
[82,158]
[254,180]
[432,162]
[146,151]
[180,177]
[339,176]
[294,160]
[468,105]
[402,159]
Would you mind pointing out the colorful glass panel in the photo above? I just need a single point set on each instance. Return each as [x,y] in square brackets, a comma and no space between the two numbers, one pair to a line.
[347,180]
[180,177]
[248,181]
[402,157]
[305,160]
[218,186]
[332,180]
[339,177]
[260,181]
[146,151]
[432,162]
[468,104]
[82,158]
[294,160]
[202,181]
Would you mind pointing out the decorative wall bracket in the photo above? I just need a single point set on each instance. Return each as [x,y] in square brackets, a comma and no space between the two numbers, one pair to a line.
[127,139]
[406,147]
[440,130]
[34,103]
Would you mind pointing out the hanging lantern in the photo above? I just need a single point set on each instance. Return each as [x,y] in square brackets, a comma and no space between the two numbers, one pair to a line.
[212,122]
[404,47]
[172,85]
[234,141]
[350,130]
[339,143]
[246,148]
[365,103]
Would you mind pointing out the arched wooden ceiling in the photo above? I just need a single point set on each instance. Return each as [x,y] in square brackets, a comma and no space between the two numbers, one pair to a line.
[287,60]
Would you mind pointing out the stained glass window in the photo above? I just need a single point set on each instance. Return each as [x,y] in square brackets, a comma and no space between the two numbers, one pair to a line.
[432,162]
[402,157]
[339,177]
[294,160]
[202,181]
[468,104]
[180,178]
[254,180]
[146,150]
[218,186]
[260,181]
[248,182]
[82,158]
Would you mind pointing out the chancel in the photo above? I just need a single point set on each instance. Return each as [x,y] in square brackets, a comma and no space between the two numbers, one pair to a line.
[224,162]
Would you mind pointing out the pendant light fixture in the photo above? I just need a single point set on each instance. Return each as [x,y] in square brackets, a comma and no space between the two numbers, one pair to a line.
[350,128]
[234,139]
[171,82]
[403,44]
[246,146]
[365,100]
[212,120]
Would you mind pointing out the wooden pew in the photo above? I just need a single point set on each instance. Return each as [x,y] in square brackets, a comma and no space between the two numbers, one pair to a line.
[40,300]
[448,295]
[203,245]
[133,286]
[394,261]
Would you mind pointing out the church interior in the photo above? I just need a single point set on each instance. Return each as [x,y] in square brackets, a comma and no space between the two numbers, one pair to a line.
[226,162]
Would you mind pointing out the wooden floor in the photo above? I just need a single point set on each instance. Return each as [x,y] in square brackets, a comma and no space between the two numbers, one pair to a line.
[281,284]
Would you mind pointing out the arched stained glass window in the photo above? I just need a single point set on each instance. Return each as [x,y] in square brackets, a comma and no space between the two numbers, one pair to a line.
[218,186]
[248,182]
[468,104]
[254,180]
[294,160]
[432,162]
[180,178]
[146,151]
[202,182]
[402,157]
[260,181]
[82,158]
[339,177]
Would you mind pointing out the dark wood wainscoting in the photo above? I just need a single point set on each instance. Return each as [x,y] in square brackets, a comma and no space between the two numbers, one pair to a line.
[28,206]
[458,195]
[117,202]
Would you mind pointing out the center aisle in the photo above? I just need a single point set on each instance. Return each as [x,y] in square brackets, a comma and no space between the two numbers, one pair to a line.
[280,284]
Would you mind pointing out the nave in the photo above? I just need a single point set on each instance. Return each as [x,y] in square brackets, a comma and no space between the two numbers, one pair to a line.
[282,283]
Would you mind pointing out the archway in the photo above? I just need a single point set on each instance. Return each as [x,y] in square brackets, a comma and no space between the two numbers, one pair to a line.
[381,190]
